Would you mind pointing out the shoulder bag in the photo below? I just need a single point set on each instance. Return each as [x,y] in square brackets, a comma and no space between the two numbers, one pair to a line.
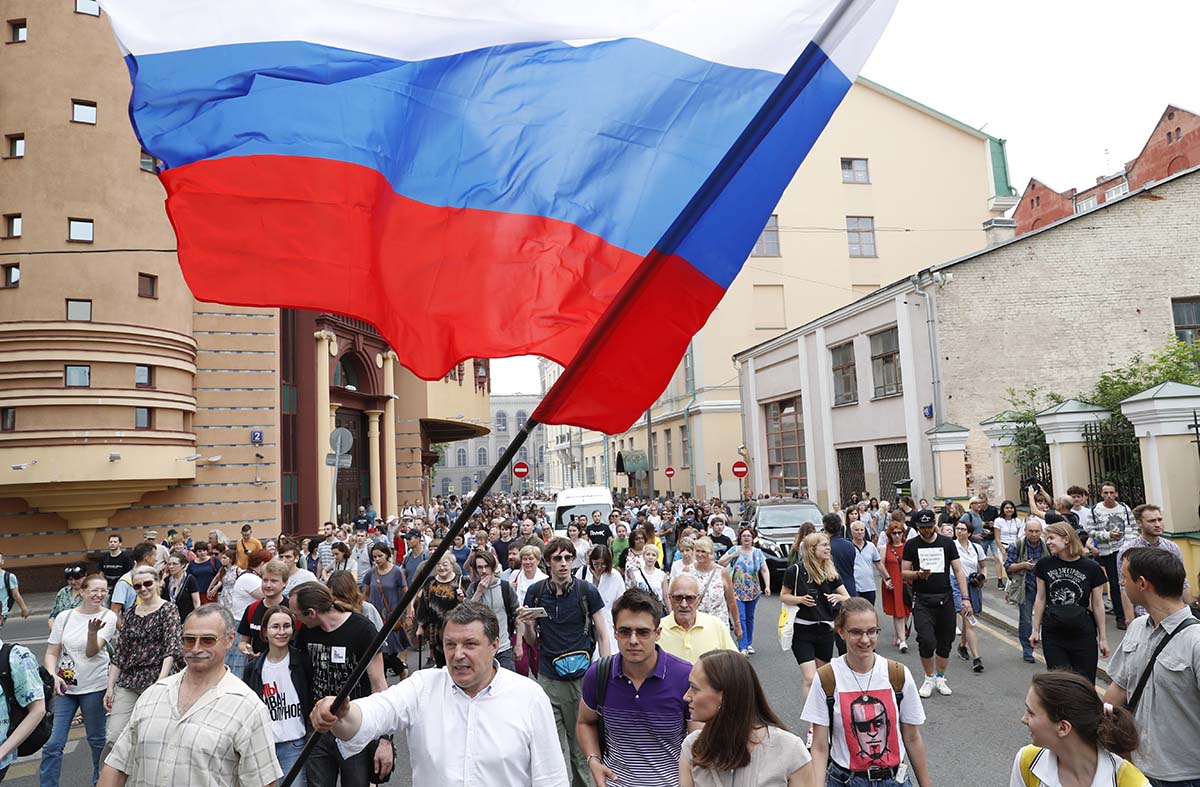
[1132,703]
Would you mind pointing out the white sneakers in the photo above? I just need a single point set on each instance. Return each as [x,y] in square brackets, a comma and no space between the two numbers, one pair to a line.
[932,683]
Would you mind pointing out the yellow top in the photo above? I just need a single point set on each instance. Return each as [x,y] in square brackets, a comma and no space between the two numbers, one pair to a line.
[707,634]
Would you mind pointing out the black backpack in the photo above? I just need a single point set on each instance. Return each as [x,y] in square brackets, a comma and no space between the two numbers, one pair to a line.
[16,714]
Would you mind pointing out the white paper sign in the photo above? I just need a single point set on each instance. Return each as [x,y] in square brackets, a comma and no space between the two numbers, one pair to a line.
[931,559]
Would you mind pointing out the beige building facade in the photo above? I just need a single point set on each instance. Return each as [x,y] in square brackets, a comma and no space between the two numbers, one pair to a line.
[888,186]
[125,404]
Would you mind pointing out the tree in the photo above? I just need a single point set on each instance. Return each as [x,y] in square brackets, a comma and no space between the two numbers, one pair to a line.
[1176,361]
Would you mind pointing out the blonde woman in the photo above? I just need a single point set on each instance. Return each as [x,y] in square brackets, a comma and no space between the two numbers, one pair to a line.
[683,565]
[1068,614]
[813,586]
[716,586]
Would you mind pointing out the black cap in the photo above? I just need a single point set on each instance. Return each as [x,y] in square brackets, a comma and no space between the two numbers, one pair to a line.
[75,572]
[924,518]
[1054,516]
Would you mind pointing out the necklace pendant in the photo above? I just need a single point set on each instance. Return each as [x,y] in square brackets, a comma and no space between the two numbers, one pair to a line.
[865,697]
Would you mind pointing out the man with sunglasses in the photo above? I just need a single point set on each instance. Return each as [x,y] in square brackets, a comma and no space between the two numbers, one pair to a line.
[687,632]
[203,714]
[640,700]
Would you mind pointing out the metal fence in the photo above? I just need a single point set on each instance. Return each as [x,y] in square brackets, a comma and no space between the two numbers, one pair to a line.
[1035,472]
[1114,455]
[893,466]
[852,478]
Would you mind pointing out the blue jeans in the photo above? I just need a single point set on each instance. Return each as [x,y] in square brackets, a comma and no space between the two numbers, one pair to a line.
[65,705]
[746,614]
[288,752]
[832,779]
[1025,626]
[236,661]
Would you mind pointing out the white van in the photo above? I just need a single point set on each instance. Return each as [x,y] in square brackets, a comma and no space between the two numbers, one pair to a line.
[581,500]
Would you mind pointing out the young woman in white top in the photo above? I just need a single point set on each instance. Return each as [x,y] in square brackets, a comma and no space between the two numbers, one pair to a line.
[863,685]
[1008,527]
[77,658]
[279,677]
[527,658]
[742,741]
[1078,741]
[972,557]
[648,576]
[608,581]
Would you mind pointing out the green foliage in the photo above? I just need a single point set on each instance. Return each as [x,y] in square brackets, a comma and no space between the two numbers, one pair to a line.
[1028,441]
[1176,361]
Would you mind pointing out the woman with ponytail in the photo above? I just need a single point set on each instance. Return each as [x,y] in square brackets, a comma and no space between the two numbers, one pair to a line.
[1077,738]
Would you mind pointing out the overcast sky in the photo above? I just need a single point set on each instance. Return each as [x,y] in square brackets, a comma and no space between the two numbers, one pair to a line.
[1062,81]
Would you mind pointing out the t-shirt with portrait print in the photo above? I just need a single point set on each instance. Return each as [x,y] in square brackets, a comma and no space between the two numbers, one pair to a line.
[1069,585]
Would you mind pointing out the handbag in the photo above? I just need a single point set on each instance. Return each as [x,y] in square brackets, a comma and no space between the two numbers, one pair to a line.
[786,625]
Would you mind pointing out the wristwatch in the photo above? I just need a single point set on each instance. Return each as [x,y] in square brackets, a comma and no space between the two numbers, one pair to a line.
[597,756]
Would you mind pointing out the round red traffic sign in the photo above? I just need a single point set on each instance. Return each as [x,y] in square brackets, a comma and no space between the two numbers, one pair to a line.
[669,472]
[740,469]
[520,469]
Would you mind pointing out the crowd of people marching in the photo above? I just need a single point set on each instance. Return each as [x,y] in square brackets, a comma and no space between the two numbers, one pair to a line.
[633,630]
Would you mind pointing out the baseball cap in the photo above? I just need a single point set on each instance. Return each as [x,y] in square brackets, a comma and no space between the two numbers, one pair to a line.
[414,533]
[924,518]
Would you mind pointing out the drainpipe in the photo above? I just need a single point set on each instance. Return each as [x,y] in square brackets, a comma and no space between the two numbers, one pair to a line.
[687,423]
[607,465]
[934,369]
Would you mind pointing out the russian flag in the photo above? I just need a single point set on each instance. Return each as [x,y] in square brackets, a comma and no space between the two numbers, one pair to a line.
[580,181]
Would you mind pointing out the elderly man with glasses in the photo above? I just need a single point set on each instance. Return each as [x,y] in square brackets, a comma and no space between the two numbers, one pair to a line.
[687,632]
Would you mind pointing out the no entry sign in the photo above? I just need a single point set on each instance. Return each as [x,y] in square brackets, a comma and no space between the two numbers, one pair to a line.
[740,469]
[669,472]
[520,469]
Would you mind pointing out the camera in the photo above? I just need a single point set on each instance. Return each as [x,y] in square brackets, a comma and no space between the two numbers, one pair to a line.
[977,579]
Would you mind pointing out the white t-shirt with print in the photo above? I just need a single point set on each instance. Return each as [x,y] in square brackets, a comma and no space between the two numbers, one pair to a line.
[241,597]
[82,674]
[282,700]
[869,701]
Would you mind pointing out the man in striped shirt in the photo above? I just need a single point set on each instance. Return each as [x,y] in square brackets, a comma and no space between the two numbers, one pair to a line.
[645,715]
[325,548]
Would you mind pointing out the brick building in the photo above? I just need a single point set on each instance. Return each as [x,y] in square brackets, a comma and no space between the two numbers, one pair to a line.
[907,381]
[1172,147]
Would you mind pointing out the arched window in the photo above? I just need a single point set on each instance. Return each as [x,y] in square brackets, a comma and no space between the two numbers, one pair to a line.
[461,455]
[501,421]
[466,485]
[505,484]
[541,454]
[346,373]
[481,456]
[445,486]
[522,417]
[523,454]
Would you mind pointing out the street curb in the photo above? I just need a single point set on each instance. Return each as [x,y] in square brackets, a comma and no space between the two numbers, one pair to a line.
[1011,627]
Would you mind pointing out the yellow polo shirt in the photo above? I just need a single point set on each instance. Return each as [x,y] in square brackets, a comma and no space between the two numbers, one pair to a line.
[708,633]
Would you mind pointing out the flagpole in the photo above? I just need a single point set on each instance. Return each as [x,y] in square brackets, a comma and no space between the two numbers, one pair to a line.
[793,83]
[414,585]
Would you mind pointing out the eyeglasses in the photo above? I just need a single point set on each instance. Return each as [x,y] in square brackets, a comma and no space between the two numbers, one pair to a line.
[143,585]
[684,598]
[207,640]
[564,558]
[860,633]
[624,632]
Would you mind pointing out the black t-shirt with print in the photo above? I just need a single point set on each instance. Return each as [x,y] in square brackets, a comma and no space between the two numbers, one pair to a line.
[798,580]
[333,654]
[939,580]
[1069,585]
[251,623]
[599,533]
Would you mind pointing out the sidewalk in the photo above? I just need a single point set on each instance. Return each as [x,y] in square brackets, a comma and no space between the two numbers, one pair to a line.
[1006,616]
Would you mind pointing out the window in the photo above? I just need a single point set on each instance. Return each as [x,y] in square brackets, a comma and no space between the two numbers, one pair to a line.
[685,448]
[481,455]
[845,379]
[460,457]
[1187,321]
[1170,139]
[654,449]
[447,487]
[11,275]
[466,484]
[18,31]
[8,419]
[854,170]
[79,310]
[501,421]
[77,376]
[885,363]
[12,225]
[147,285]
[667,443]
[89,7]
[860,233]
[143,377]
[521,418]
[523,454]
[83,112]
[768,242]
[786,470]
[80,230]
[1117,191]
[148,163]
[143,418]
[1085,204]
[14,146]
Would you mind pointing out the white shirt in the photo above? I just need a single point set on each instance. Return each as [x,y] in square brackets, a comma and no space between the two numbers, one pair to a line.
[301,576]
[503,735]
[969,556]
[240,597]
[82,673]
[282,700]
[1045,768]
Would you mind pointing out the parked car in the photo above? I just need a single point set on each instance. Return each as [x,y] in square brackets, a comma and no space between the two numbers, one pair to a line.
[776,523]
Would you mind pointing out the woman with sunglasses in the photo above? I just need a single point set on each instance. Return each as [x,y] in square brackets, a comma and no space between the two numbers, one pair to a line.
[77,658]
[179,586]
[861,738]
[280,678]
[71,595]
[608,581]
[897,596]
[149,648]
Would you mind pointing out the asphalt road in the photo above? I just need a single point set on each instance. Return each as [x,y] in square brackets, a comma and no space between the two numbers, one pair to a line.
[971,736]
